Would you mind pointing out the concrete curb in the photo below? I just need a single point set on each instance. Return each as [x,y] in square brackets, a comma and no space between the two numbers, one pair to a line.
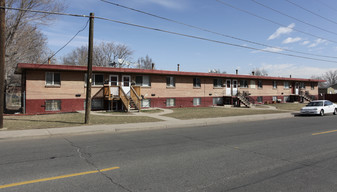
[118,128]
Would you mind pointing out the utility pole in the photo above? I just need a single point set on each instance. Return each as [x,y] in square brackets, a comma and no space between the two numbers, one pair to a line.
[89,71]
[2,59]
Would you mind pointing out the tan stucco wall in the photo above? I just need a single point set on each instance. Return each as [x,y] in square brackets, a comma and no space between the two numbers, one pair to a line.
[72,83]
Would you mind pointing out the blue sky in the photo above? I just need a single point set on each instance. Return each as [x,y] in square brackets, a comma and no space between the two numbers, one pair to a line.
[167,50]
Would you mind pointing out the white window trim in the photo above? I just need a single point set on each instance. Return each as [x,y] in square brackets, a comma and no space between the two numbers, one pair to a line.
[53,79]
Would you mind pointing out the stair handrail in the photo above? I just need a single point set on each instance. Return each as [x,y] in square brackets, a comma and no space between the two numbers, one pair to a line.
[124,98]
[135,97]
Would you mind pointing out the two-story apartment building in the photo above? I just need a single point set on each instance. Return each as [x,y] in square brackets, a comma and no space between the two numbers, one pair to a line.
[62,88]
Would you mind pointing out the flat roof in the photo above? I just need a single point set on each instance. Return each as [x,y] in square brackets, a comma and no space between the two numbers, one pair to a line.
[49,67]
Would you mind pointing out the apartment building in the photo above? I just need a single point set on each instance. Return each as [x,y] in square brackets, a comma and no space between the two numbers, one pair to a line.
[62,88]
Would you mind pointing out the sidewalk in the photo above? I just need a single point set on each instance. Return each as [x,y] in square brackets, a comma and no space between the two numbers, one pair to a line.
[167,123]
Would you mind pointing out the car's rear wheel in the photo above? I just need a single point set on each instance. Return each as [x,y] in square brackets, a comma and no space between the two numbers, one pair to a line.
[321,113]
[335,112]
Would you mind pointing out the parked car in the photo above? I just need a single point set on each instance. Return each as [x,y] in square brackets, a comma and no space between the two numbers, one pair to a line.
[319,107]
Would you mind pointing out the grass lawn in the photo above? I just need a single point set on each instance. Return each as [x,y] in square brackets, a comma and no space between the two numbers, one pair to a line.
[289,106]
[210,112]
[151,110]
[67,120]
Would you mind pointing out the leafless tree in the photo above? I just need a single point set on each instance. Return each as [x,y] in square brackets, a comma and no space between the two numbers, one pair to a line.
[260,72]
[24,42]
[78,56]
[144,63]
[103,54]
[330,77]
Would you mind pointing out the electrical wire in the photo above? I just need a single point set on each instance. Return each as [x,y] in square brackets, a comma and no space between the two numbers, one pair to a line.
[180,34]
[304,22]
[274,22]
[313,13]
[213,32]
[68,41]
[211,40]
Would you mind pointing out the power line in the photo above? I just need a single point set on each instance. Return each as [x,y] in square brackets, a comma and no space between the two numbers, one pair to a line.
[318,15]
[213,32]
[47,12]
[274,22]
[211,40]
[323,3]
[69,40]
[179,34]
[320,28]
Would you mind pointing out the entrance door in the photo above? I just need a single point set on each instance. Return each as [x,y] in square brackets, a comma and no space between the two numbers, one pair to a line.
[126,84]
[296,88]
[228,88]
[113,81]
[235,87]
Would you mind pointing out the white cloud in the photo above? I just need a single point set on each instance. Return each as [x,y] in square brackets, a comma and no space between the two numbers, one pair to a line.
[282,30]
[291,40]
[305,42]
[167,3]
[296,71]
[317,42]
[269,49]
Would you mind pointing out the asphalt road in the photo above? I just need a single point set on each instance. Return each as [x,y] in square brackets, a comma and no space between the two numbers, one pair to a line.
[296,154]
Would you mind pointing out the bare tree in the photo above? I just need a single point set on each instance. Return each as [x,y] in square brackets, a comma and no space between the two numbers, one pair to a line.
[78,56]
[216,71]
[260,72]
[24,42]
[144,63]
[330,77]
[104,54]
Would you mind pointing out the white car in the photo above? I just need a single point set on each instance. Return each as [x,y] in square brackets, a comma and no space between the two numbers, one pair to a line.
[319,107]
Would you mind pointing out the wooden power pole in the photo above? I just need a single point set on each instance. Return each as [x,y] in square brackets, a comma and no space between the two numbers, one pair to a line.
[89,71]
[2,59]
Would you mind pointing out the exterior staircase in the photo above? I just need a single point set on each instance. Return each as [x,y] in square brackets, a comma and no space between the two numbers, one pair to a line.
[131,100]
[306,97]
[244,100]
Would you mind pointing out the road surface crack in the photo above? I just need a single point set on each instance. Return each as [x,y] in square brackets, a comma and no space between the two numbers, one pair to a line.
[85,156]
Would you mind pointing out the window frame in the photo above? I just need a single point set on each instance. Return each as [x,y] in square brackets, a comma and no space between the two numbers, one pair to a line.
[217,83]
[244,83]
[170,82]
[288,85]
[53,83]
[51,103]
[196,82]
[259,84]
[168,101]
[196,101]
[274,84]
[142,81]
[93,79]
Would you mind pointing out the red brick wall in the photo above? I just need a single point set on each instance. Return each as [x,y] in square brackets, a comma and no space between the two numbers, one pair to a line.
[37,106]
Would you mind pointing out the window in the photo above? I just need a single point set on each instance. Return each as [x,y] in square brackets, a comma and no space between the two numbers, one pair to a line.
[252,84]
[274,98]
[196,82]
[53,105]
[170,102]
[217,82]
[218,101]
[143,81]
[312,86]
[302,85]
[97,104]
[53,78]
[274,84]
[126,81]
[259,84]
[146,103]
[114,80]
[286,85]
[196,101]
[260,99]
[97,79]
[243,83]
[170,82]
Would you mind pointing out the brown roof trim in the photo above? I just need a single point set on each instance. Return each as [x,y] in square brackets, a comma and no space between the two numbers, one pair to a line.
[25,66]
